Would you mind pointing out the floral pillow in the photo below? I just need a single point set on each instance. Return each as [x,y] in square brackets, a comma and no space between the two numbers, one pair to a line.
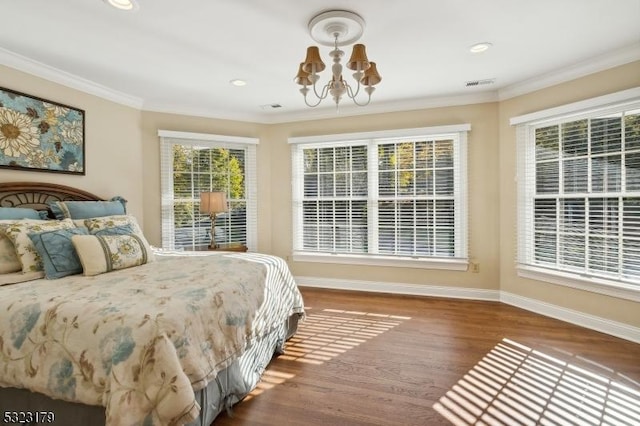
[9,261]
[96,224]
[114,225]
[18,233]
[99,254]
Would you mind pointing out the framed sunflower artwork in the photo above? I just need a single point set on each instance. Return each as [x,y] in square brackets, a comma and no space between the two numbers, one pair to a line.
[40,135]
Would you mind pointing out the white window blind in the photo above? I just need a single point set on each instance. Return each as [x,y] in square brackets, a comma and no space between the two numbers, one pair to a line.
[386,195]
[579,195]
[192,163]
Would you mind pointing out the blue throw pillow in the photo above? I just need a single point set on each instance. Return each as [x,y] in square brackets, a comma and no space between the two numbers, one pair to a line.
[59,257]
[10,213]
[115,230]
[88,209]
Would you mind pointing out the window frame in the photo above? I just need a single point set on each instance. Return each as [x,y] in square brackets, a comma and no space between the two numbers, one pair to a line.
[168,139]
[525,139]
[457,132]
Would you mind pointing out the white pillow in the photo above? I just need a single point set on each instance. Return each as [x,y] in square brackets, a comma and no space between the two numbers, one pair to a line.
[99,254]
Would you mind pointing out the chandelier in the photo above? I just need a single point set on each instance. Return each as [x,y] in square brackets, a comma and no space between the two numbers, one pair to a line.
[337,28]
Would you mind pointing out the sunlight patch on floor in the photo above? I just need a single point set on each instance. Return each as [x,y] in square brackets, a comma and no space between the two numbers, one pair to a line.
[516,385]
[270,379]
[325,335]
[331,332]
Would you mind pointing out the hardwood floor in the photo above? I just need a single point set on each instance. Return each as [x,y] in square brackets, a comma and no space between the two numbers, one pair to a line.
[374,359]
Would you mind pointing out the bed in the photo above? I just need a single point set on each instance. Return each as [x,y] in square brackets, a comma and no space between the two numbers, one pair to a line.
[176,340]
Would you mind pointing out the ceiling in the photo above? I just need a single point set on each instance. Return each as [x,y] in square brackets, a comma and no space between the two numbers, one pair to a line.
[168,57]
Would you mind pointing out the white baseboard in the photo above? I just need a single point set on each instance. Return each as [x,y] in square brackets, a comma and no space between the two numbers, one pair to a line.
[592,322]
[400,288]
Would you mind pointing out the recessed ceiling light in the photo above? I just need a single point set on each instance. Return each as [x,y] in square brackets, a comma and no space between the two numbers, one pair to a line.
[238,83]
[480,47]
[123,4]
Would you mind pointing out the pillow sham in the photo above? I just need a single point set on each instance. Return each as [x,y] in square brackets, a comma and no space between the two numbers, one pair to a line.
[9,261]
[59,257]
[18,233]
[15,213]
[100,225]
[88,209]
[19,277]
[100,254]
[116,230]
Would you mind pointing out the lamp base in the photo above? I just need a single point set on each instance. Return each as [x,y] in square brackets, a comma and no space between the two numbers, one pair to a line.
[213,244]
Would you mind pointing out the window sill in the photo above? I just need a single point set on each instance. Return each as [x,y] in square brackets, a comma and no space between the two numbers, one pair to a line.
[393,261]
[592,284]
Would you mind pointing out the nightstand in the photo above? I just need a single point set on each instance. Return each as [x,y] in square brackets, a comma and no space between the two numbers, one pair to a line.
[229,247]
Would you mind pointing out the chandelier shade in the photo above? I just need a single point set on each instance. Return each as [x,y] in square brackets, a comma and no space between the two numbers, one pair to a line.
[337,28]
[302,78]
[313,60]
[358,60]
[371,76]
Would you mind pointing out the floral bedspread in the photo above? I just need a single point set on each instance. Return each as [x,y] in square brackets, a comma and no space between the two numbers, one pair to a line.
[139,341]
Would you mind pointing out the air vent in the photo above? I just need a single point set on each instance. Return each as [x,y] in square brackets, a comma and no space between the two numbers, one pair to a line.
[270,106]
[474,83]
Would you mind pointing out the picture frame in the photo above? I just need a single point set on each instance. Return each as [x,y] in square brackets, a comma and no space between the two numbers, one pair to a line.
[40,135]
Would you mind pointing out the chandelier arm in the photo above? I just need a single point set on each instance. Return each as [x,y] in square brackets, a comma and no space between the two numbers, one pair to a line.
[324,93]
[353,96]
[359,104]
[321,97]
[350,91]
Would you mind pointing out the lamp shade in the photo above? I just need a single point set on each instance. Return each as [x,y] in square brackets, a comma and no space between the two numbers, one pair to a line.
[371,76]
[213,202]
[313,58]
[302,78]
[358,57]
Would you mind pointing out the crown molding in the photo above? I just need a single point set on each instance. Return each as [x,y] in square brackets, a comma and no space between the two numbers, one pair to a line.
[176,109]
[328,112]
[612,59]
[387,107]
[599,63]
[38,69]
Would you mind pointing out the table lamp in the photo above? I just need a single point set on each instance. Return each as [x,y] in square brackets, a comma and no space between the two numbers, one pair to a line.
[213,203]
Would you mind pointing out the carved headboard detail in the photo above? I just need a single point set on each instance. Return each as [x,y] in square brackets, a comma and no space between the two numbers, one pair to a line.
[37,195]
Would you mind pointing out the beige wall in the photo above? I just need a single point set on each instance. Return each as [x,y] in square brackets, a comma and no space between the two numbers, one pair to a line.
[483,193]
[113,154]
[602,83]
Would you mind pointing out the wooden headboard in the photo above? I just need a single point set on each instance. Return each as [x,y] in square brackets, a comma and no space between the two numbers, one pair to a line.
[38,195]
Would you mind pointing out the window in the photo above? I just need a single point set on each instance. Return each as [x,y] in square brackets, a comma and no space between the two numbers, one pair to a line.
[579,196]
[384,198]
[192,163]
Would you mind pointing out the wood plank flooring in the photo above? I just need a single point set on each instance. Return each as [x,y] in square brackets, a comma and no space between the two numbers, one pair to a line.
[378,359]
